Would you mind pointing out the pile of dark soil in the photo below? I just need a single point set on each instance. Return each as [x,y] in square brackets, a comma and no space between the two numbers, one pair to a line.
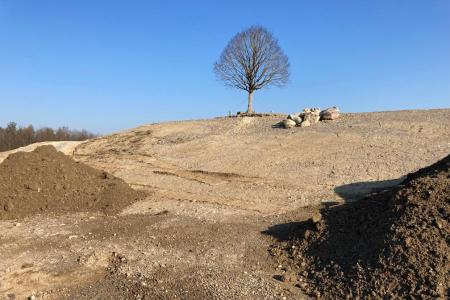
[46,180]
[394,244]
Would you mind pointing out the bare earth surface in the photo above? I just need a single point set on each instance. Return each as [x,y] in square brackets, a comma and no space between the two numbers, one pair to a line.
[214,187]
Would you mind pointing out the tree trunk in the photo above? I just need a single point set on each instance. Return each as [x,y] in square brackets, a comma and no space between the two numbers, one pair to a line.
[249,108]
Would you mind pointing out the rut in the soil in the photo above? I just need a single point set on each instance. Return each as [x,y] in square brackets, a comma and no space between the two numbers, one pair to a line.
[393,244]
[47,181]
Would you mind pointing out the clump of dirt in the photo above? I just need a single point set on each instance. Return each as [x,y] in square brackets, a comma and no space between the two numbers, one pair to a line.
[394,244]
[46,180]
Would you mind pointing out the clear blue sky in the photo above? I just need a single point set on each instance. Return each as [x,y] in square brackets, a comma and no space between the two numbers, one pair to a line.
[111,65]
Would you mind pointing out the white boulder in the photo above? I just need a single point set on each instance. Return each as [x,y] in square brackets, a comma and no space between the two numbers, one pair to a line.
[288,123]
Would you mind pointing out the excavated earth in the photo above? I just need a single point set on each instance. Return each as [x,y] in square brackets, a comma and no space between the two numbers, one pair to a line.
[47,181]
[214,189]
[393,244]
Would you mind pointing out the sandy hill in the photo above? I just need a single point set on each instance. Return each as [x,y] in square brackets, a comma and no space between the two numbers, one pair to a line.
[245,163]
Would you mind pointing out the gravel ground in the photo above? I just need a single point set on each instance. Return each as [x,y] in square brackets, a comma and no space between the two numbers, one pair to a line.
[214,186]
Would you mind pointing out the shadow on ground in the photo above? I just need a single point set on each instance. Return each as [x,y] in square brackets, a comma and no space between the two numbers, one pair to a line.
[357,190]
[278,125]
[347,234]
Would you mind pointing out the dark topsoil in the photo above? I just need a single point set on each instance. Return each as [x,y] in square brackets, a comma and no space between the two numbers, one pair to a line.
[46,180]
[393,244]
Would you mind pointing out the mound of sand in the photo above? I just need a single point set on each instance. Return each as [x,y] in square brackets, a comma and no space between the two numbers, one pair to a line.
[46,180]
[394,244]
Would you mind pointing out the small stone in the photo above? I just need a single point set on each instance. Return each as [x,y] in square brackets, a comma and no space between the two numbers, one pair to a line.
[301,285]
[318,226]
[307,233]
[8,206]
[289,277]
[317,217]
[288,268]
[408,242]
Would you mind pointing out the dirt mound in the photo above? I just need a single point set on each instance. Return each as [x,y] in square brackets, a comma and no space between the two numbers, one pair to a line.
[392,244]
[46,180]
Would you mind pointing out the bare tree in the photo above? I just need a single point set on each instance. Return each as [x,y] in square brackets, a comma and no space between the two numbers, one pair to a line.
[252,60]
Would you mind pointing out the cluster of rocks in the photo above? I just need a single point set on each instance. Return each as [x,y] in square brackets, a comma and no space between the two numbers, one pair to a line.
[310,116]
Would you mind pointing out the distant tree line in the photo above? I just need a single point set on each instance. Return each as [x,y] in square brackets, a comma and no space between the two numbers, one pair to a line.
[14,136]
